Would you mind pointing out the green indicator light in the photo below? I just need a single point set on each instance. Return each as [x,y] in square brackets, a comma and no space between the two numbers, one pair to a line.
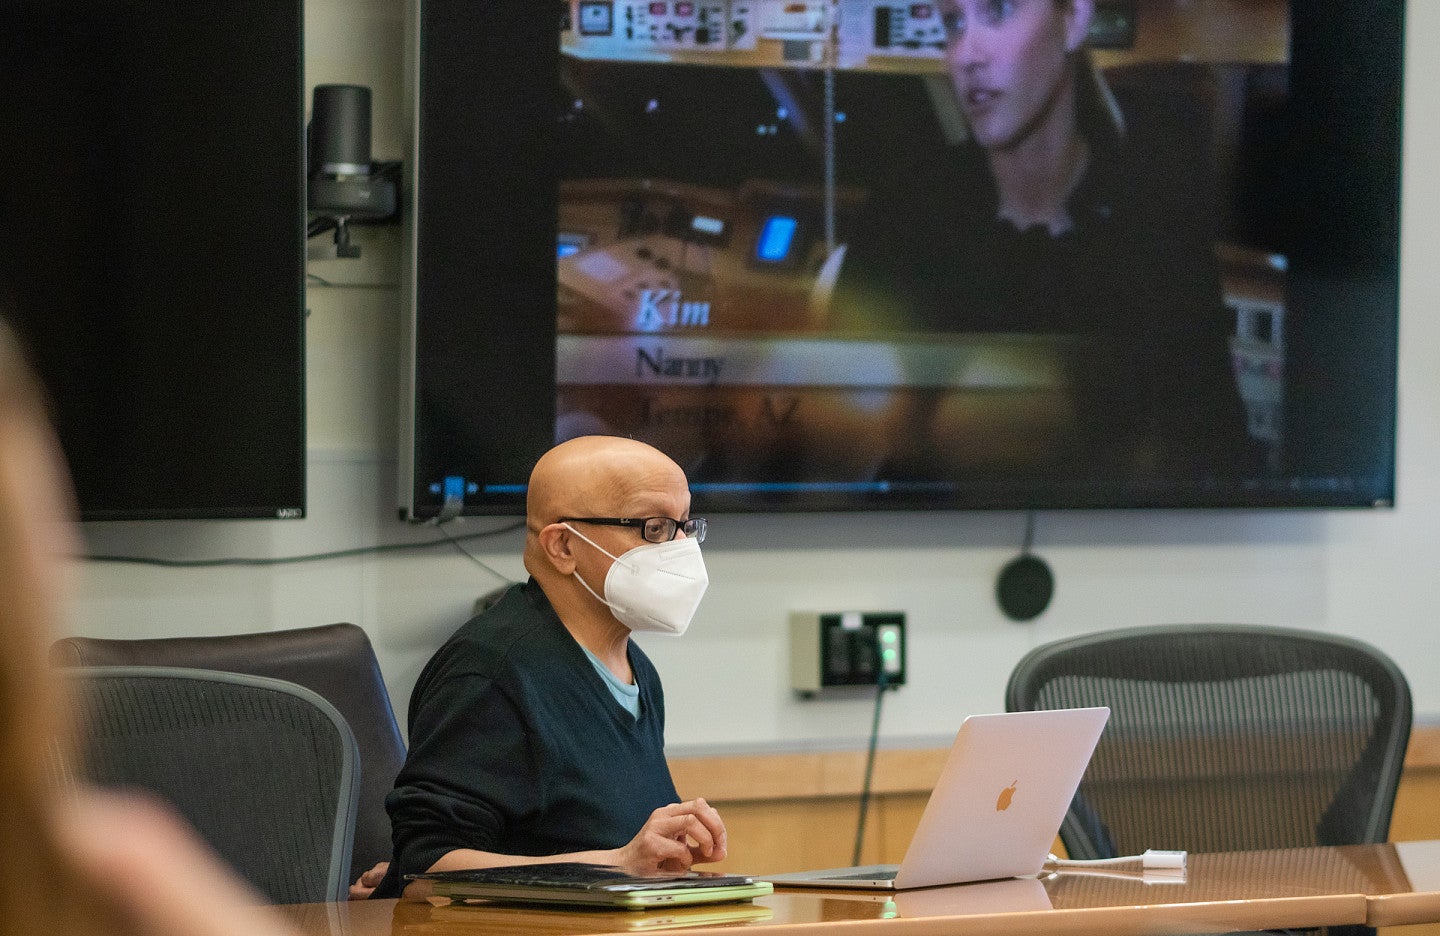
[889,637]
[888,654]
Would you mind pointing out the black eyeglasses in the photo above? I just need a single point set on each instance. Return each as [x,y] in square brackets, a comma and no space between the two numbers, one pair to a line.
[653,529]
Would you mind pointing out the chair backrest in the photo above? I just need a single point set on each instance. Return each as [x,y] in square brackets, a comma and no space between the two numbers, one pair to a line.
[263,769]
[335,661]
[1226,737]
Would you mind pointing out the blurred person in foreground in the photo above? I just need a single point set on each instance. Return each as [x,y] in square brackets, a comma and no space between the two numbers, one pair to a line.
[78,861]
[537,730]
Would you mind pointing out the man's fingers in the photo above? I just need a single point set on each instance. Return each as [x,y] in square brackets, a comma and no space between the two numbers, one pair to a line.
[687,826]
[692,828]
[679,826]
[671,829]
[710,816]
[705,825]
[668,848]
[664,841]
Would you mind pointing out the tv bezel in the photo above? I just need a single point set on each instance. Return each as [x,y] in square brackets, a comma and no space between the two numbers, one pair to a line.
[506,230]
[195,268]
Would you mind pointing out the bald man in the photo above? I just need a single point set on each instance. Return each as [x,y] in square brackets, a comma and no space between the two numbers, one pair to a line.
[537,730]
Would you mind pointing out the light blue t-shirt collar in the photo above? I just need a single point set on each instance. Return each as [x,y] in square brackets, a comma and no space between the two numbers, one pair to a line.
[627,695]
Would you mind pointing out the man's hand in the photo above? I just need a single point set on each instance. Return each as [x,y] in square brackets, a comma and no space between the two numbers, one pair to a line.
[365,885]
[672,839]
[675,837]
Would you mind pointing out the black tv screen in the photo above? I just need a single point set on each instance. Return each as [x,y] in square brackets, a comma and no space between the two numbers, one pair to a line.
[876,255]
[152,219]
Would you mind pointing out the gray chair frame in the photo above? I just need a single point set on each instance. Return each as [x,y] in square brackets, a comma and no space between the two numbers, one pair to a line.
[1123,667]
[1202,667]
[335,660]
[157,774]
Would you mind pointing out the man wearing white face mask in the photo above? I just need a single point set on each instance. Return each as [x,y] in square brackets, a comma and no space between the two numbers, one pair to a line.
[537,730]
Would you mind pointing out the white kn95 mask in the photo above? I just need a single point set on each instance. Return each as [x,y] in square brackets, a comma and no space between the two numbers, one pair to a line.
[654,587]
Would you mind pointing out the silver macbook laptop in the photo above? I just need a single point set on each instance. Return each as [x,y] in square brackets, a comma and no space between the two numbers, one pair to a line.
[995,811]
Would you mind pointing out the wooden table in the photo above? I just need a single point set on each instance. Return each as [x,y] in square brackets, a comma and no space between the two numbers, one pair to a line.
[1382,885]
[1414,894]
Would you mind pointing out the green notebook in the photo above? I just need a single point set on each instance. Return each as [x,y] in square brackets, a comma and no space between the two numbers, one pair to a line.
[591,885]
[637,920]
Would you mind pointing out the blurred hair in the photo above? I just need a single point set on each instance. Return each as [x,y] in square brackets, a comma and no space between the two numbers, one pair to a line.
[40,889]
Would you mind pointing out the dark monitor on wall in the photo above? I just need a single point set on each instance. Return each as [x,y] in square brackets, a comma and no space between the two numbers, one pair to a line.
[779,241]
[152,218]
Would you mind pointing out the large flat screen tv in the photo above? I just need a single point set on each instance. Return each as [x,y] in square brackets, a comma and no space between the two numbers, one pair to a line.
[868,254]
[152,245]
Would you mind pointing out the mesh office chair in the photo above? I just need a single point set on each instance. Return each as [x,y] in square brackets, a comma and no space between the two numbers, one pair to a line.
[263,769]
[335,661]
[1226,737]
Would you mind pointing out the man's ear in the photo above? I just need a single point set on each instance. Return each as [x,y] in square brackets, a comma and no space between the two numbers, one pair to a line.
[555,542]
[1077,23]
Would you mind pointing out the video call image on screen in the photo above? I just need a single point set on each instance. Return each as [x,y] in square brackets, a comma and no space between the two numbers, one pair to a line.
[780,259]
[814,250]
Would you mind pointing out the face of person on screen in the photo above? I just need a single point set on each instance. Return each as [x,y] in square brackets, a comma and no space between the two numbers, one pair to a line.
[1010,62]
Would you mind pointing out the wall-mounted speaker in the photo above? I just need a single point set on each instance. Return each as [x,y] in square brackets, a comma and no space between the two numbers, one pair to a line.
[1025,587]
[340,130]
[342,186]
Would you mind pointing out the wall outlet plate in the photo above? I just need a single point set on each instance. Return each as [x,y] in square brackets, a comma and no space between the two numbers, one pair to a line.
[830,649]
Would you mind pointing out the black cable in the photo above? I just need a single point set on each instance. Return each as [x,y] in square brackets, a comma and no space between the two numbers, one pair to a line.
[1029,533]
[319,280]
[880,687]
[455,541]
[319,226]
[311,557]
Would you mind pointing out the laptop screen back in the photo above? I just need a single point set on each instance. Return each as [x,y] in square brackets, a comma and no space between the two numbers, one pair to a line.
[1001,796]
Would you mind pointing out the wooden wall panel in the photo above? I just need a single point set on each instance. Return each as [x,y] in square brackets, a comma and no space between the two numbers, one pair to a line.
[792,812]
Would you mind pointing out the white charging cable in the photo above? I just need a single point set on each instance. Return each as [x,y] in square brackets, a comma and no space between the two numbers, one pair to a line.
[1154,859]
[1157,866]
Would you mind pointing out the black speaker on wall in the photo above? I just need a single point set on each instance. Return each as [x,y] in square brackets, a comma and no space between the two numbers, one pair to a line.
[339,132]
[343,185]
[1025,587]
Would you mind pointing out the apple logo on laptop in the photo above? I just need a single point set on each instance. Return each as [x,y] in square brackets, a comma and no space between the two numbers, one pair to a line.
[1006,795]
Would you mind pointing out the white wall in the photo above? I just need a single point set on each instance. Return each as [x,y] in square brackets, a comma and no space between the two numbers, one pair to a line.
[1372,574]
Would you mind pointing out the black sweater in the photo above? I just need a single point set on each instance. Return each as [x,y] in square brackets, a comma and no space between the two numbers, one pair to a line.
[518,747]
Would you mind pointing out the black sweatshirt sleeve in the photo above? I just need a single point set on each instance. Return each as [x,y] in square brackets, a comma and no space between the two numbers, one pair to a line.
[469,775]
